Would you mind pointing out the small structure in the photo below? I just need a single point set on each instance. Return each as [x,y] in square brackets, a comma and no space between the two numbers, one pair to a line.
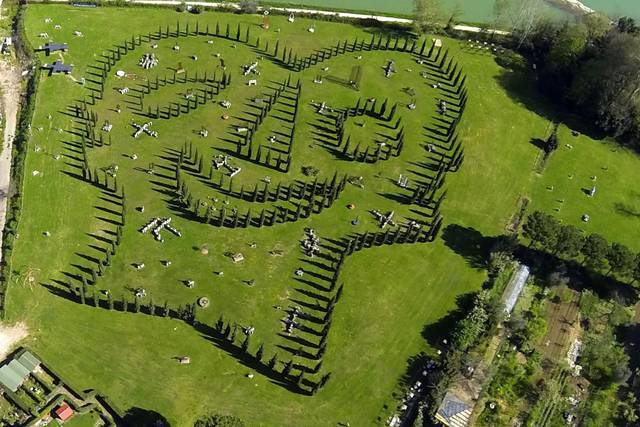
[7,42]
[389,69]
[237,257]
[157,225]
[51,47]
[14,373]
[203,302]
[383,219]
[148,60]
[184,360]
[514,288]
[592,192]
[311,242]
[58,67]
[223,161]
[64,412]
[250,68]
[453,411]
[145,128]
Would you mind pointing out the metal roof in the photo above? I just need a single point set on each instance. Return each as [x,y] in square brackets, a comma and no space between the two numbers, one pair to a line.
[59,67]
[453,411]
[29,361]
[11,377]
[13,374]
[52,47]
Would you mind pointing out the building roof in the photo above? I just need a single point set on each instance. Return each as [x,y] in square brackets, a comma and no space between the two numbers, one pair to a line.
[29,361]
[13,374]
[59,67]
[514,288]
[10,378]
[64,411]
[453,411]
[53,47]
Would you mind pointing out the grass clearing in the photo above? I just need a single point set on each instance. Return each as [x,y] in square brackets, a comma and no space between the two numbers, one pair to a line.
[391,293]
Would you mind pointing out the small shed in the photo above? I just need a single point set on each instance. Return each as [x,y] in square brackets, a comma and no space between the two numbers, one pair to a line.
[51,47]
[184,360]
[64,412]
[237,257]
[453,411]
[13,374]
[59,67]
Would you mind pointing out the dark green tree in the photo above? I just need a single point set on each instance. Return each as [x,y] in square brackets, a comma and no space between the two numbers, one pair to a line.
[621,259]
[570,241]
[260,353]
[594,251]
[245,344]
[287,368]
[542,229]
[273,361]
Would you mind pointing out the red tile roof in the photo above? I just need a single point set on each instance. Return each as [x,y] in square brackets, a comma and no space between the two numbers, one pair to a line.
[64,411]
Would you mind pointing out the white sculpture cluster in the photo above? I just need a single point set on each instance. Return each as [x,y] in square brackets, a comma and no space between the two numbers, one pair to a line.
[156,225]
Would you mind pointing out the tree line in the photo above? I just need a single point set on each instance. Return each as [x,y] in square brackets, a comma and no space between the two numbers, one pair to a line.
[549,234]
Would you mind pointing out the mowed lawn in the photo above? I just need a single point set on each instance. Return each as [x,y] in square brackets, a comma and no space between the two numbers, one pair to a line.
[391,293]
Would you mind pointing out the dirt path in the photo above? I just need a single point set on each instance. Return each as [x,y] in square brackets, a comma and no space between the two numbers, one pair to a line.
[10,85]
[10,336]
[10,80]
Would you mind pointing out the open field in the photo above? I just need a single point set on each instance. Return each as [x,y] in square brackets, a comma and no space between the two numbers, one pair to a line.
[391,293]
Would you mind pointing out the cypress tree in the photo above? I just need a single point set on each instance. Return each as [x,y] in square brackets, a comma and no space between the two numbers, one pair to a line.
[136,304]
[245,344]
[287,368]
[151,307]
[273,361]
[220,324]
[260,353]
[299,379]
[110,301]
[165,309]
[82,294]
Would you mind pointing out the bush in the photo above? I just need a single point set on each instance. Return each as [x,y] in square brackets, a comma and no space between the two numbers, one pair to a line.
[218,420]
[248,6]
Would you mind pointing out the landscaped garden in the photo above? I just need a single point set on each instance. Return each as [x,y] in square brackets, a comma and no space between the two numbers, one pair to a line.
[328,186]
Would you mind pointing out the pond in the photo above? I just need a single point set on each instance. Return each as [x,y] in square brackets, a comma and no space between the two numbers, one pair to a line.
[473,10]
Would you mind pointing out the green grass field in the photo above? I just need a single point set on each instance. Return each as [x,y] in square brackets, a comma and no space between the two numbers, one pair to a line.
[391,293]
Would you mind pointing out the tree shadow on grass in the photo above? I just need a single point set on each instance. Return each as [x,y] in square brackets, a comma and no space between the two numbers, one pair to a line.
[469,243]
[627,210]
[520,86]
[138,417]
[442,327]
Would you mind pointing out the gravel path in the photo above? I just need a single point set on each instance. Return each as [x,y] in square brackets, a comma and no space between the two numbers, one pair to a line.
[10,80]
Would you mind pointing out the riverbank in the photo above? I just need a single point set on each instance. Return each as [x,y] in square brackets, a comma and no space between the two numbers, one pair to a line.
[574,7]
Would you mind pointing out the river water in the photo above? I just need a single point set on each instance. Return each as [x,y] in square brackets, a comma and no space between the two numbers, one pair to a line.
[473,10]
